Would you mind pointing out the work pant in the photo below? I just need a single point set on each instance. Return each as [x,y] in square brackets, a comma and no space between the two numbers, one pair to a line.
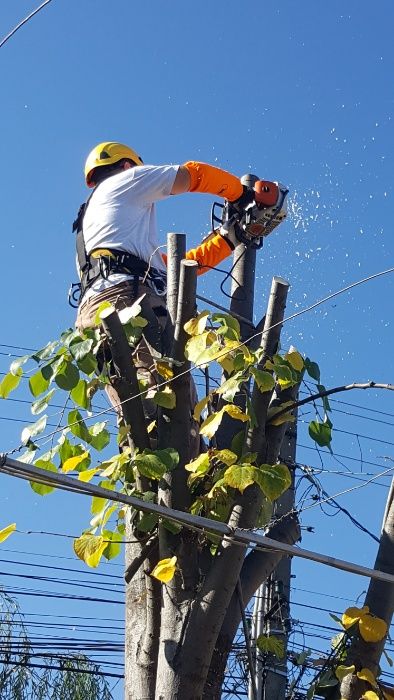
[156,337]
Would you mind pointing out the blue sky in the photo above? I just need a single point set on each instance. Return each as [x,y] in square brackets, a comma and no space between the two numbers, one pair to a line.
[300,92]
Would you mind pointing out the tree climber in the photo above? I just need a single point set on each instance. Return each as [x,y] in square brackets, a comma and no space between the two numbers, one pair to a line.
[117,246]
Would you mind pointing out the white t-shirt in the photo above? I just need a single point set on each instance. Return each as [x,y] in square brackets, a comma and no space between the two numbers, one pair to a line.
[121,215]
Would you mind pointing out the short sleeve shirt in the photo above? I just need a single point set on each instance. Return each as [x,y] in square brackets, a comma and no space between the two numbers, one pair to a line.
[121,215]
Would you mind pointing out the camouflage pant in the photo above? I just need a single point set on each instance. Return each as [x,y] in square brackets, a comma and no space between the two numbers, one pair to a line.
[156,337]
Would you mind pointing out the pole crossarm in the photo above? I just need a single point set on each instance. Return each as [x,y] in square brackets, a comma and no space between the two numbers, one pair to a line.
[244,538]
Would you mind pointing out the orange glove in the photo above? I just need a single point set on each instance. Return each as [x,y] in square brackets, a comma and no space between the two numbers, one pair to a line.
[207,178]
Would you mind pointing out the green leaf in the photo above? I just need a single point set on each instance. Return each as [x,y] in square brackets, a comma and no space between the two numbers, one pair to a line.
[264,380]
[320,433]
[32,430]
[42,403]
[165,398]
[168,456]
[238,442]
[324,399]
[301,658]
[80,348]
[42,489]
[78,426]
[9,383]
[99,436]
[147,522]
[229,326]
[45,352]
[17,364]
[150,465]
[271,644]
[172,527]
[38,384]
[313,369]
[273,479]
[327,679]
[104,305]
[336,618]
[79,394]
[239,477]
[50,369]
[114,545]
[88,365]
[231,387]
[67,375]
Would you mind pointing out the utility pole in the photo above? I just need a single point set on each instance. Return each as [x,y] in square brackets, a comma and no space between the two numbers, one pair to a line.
[271,612]
[380,600]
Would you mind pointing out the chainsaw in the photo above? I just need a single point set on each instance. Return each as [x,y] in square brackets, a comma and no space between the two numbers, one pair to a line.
[256,214]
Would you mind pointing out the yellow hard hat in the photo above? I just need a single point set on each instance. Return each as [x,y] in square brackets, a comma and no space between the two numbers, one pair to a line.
[107,153]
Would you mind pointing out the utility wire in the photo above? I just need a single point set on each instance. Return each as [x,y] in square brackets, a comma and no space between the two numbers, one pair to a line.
[226,352]
[18,26]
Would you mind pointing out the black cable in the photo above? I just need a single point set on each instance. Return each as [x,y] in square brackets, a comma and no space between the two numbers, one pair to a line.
[61,668]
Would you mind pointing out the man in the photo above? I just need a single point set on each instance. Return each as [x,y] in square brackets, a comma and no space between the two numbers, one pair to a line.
[118,253]
[121,257]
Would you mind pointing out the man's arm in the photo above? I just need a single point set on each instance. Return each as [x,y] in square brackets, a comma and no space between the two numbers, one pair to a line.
[182,181]
[201,177]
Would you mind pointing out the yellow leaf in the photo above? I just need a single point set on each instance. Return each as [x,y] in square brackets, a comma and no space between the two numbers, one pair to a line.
[225,456]
[370,695]
[72,462]
[235,412]
[201,462]
[353,615]
[197,325]
[239,477]
[87,475]
[90,548]
[199,407]
[295,360]
[366,675]
[342,671]
[210,425]
[164,571]
[164,369]
[151,426]
[372,629]
[7,531]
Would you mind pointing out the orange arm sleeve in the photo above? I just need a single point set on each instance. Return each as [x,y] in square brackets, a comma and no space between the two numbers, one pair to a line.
[207,178]
[210,252]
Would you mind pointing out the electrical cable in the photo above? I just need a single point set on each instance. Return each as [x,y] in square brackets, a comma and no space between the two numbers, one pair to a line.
[226,352]
[26,19]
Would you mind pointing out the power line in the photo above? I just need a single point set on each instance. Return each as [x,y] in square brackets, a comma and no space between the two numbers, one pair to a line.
[26,19]
[236,536]
[226,352]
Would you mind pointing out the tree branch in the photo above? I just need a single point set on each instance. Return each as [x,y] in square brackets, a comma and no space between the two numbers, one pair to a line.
[146,551]
[335,390]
